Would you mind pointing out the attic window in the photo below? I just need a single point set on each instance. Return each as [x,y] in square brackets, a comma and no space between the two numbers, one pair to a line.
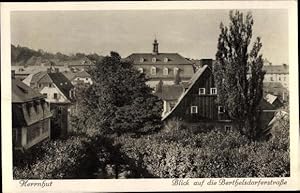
[213,91]
[166,59]
[153,70]
[153,59]
[165,71]
[142,59]
[201,91]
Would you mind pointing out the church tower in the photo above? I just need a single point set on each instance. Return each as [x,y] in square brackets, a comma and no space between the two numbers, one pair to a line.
[155,47]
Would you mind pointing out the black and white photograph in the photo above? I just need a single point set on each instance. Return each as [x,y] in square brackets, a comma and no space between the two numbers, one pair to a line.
[152,94]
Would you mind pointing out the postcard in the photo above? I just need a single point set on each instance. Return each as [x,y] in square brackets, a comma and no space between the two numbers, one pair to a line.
[149,96]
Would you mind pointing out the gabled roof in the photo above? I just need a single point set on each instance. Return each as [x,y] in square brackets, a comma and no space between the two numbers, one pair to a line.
[62,83]
[192,82]
[22,93]
[173,58]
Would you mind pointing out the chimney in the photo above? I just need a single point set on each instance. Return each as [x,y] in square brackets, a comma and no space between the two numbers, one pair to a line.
[155,47]
[56,70]
[208,62]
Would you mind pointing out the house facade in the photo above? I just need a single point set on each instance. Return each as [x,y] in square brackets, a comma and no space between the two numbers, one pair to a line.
[162,66]
[198,107]
[30,116]
[60,93]
[277,73]
[80,77]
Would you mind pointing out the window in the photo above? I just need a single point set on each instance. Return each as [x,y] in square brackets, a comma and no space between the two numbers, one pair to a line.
[142,59]
[279,78]
[55,96]
[50,85]
[221,109]
[153,71]
[141,70]
[153,59]
[194,109]
[175,71]
[39,85]
[271,78]
[166,71]
[213,90]
[166,59]
[201,91]
[227,127]
[86,78]
[45,95]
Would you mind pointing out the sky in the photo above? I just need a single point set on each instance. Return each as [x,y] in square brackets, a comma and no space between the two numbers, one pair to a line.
[191,33]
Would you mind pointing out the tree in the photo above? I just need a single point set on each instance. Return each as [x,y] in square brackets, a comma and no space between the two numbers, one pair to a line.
[119,101]
[238,73]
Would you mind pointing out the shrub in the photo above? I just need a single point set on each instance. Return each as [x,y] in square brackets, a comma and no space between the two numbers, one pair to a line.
[214,154]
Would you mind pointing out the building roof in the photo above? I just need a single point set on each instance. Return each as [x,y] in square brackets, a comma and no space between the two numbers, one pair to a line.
[271,98]
[170,92]
[192,82]
[62,83]
[22,93]
[82,74]
[276,69]
[173,58]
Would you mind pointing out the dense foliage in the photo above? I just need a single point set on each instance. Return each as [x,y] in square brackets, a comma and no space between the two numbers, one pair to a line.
[238,73]
[25,56]
[119,101]
[58,159]
[212,154]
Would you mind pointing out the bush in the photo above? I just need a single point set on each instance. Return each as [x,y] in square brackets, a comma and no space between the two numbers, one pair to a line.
[62,159]
[212,154]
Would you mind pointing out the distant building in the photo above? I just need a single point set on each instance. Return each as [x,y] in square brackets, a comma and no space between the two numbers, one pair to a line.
[277,89]
[30,116]
[82,63]
[79,77]
[60,93]
[169,94]
[162,66]
[277,73]
[22,72]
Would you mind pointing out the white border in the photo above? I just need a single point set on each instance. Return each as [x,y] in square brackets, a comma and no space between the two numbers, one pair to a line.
[139,185]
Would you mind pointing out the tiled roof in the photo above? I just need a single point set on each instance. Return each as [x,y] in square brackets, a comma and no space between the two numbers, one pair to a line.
[170,92]
[173,58]
[82,74]
[22,93]
[62,83]
[276,69]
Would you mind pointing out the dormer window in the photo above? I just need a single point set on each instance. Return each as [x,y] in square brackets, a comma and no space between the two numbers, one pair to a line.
[153,59]
[213,91]
[176,71]
[194,109]
[153,70]
[165,71]
[201,91]
[141,70]
[142,59]
[166,59]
